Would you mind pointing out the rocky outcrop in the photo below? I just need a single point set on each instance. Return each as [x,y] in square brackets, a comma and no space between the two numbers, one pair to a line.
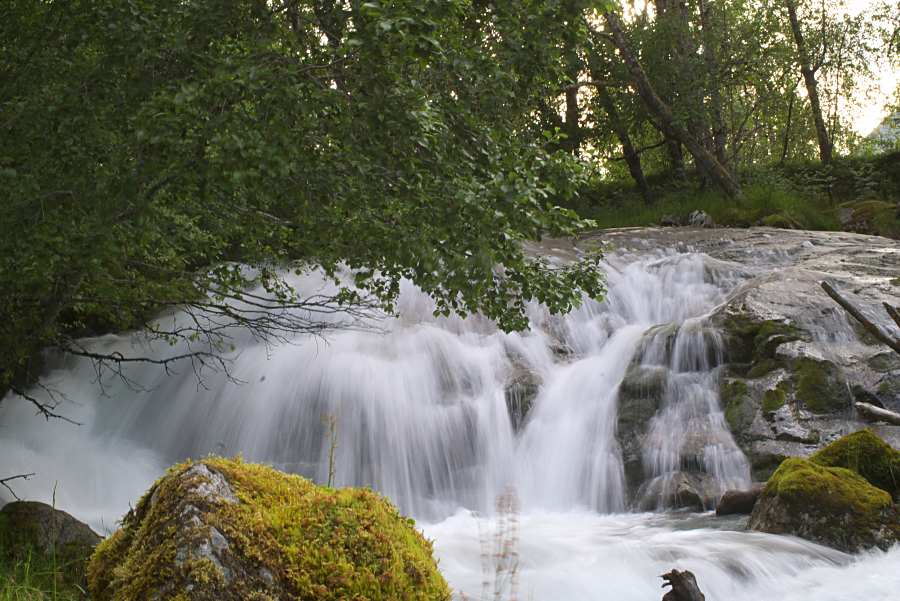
[225,530]
[739,502]
[831,506]
[793,364]
[520,392]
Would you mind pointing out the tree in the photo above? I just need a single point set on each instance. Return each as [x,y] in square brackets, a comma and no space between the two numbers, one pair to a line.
[148,145]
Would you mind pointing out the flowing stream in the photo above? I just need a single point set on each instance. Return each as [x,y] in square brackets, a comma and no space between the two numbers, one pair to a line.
[424,407]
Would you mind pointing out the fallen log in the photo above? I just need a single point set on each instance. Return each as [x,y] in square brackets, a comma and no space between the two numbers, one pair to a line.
[684,587]
[866,322]
[879,413]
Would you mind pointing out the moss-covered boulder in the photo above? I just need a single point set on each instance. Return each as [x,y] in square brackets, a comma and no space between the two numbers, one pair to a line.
[865,454]
[227,530]
[831,506]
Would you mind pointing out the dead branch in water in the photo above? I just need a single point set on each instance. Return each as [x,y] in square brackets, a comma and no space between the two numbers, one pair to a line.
[879,413]
[865,321]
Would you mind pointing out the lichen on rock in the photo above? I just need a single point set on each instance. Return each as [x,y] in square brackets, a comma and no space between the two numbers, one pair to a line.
[226,530]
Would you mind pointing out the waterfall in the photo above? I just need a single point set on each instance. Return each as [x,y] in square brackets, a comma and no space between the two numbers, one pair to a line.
[443,415]
[422,403]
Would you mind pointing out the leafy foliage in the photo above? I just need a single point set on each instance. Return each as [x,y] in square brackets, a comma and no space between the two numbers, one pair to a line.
[148,144]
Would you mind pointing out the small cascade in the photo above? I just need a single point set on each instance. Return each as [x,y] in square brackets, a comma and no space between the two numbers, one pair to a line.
[689,456]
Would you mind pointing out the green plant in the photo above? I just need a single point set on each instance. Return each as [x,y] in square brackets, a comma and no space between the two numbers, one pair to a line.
[331,421]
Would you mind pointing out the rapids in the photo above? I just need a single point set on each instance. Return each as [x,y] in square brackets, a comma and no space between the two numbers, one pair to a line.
[423,418]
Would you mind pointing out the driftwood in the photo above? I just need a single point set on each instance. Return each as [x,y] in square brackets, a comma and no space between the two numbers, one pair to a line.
[879,413]
[684,587]
[865,321]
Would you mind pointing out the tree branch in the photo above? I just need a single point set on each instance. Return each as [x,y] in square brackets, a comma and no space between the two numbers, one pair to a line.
[3,481]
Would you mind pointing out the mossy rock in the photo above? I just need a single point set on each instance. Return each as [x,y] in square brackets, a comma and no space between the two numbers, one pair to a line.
[227,530]
[870,216]
[752,344]
[865,454]
[831,506]
[780,219]
[820,385]
[740,407]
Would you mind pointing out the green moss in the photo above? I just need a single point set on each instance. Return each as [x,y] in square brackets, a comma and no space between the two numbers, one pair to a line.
[864,453]
[754,343]
[316,542]
[820,385]
[889,386]
[801,482]
[773,400]
[740,408]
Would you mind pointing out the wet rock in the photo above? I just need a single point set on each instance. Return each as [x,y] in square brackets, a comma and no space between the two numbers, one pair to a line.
[677,490]
[739,502]
[520,392]
[226,530]
[30,523]
[827,505]
[640,395]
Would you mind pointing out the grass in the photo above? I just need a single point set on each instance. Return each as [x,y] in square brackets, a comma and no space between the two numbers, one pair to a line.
[800,195]
[26,574]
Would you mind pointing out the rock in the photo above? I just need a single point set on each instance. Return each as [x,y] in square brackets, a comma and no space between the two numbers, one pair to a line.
[701,219]
[865,454]
[28,522]
[227,530]
[520,392]
[684,587]
[830,506]
[670,220]
[676,490]
[739,502]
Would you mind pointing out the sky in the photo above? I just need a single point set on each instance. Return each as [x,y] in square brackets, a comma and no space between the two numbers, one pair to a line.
[867,117]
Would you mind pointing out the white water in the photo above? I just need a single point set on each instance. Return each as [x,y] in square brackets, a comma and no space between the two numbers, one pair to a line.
[423,419]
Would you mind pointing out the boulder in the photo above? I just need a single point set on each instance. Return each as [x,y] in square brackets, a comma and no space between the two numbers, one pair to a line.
[30,523]
[701,219]
[520,393]
[739,502]
[830,506]
[865,454]
[227,530]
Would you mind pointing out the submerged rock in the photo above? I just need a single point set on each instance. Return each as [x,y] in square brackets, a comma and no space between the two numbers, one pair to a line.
[226,530]
[831,506]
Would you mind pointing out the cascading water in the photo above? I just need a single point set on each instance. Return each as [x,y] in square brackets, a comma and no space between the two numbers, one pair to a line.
[424,417]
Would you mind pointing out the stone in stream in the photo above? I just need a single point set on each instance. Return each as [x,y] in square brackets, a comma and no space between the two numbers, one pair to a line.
[31,523]
[739,502]
[226,530]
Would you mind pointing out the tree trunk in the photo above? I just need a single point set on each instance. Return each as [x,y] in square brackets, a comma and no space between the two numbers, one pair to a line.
[673,130]
[809,77]
[715,93]
[632,158]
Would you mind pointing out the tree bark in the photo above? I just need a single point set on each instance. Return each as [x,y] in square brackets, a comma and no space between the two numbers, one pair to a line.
[632,158]
[674,130]
[715,93]
[809,77]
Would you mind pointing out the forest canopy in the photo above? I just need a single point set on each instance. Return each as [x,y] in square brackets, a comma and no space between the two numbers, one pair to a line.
[150,149]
